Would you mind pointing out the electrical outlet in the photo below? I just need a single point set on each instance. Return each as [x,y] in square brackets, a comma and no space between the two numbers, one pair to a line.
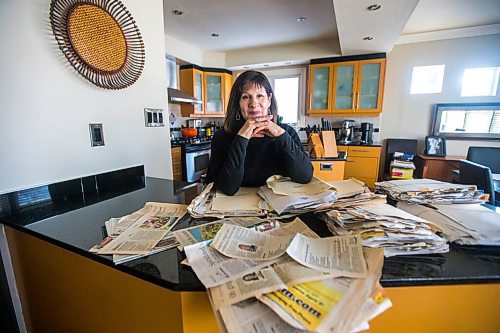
[153,117]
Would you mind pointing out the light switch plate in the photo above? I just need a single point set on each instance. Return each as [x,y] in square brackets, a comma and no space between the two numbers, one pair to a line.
[96,135]
[153,117]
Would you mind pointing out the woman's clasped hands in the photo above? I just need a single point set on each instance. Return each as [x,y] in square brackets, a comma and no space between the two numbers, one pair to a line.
[260,126]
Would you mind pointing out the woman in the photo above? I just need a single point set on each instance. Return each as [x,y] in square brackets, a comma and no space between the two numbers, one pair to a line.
[252,146]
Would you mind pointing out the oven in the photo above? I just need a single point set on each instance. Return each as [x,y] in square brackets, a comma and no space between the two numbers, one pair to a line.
[195,163]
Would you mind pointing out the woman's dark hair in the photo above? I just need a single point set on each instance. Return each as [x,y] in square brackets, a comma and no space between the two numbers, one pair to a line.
[234,120]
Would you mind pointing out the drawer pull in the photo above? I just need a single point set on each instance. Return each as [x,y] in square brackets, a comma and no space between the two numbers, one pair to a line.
[326,166]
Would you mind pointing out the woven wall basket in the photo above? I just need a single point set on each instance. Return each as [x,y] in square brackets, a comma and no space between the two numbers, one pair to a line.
[100,39]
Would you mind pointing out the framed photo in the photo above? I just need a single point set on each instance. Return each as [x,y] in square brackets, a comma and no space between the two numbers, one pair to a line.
[435,146]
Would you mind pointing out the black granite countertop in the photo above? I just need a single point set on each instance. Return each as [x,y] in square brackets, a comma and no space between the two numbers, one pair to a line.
[76,224]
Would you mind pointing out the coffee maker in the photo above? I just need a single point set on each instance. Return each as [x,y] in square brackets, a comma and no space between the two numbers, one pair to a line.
[366,133]
[346,132]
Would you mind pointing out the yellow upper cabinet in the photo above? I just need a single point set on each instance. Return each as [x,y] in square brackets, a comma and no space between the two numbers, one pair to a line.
[215,91]
[320,87]
[191,82]
[211,86]
[355,87]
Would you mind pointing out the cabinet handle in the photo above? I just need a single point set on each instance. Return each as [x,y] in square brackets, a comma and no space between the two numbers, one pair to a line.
[326,166]
[353,100]
[357,100]
[361,151]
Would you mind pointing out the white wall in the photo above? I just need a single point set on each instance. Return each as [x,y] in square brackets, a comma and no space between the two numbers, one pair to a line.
[46,106]
[410,116]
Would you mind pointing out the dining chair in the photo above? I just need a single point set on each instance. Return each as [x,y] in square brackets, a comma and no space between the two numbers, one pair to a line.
[476,174]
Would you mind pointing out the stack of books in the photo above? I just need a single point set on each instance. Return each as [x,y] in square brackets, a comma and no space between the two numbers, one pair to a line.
[402,166]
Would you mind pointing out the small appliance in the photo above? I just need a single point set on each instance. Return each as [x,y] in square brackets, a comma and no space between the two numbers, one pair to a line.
[366,133]
[194,123]
[346,131]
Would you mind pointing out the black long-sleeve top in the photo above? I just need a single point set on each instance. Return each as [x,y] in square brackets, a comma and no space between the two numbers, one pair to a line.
[237,161]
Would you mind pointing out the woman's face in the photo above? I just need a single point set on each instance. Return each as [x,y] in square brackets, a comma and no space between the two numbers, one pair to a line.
[254,101]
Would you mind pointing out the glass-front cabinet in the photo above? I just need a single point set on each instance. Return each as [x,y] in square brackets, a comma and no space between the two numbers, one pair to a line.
[198,90]
[358,86]
[371,85]
[214,102]
[210,85]
[346,87]
[320,86]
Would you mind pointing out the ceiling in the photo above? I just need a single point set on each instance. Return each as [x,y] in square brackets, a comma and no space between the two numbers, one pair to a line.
[346,25]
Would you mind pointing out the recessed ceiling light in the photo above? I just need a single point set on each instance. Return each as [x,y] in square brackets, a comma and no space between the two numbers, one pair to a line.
[375,7]
[301,19]
[177,12]
[368,38]
[215,34]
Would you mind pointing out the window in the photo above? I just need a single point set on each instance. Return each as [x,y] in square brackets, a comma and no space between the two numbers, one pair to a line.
[287,91]
[467,121]
[289,88]
[480,81]
[427,79]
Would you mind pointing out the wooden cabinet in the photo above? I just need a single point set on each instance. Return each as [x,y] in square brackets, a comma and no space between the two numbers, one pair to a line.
[436,167]
[358,86]
[362,163]
[320,87]
[176,163]
[211,86]
[328,170]
[191,82]
[346,87]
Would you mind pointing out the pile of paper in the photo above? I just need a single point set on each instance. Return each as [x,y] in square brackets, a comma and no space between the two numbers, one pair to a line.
[429,191]
[287,279]
[279,196]
[142,233]
[286,196]
[387,227]
[212,203]
[471,224]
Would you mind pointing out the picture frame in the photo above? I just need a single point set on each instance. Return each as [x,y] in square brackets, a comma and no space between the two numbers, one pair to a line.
[435,146]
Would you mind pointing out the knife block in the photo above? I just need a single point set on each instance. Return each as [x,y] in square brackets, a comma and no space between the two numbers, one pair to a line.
[315,147]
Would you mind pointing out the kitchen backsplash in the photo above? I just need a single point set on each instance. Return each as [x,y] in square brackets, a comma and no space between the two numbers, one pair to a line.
[175,114]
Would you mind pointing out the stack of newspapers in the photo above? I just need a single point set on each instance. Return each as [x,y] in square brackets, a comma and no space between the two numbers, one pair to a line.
[284,278]
[387,227]
[423,191]
[280,196]
[142,233]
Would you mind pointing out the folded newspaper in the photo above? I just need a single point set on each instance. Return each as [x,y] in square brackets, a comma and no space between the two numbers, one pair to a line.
[141,233]
[287,279]
[328,304]
[387,227]
[425,191]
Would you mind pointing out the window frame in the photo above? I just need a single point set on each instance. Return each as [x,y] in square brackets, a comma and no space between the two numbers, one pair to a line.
[440,108]
[289,71]
[273,78]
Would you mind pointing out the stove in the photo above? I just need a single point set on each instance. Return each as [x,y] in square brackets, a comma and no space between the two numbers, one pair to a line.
[195,156]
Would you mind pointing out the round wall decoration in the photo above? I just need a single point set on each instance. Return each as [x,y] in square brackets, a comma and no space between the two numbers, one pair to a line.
[100,39]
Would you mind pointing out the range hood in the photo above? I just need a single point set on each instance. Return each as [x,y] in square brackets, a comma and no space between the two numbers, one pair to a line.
[174,94]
